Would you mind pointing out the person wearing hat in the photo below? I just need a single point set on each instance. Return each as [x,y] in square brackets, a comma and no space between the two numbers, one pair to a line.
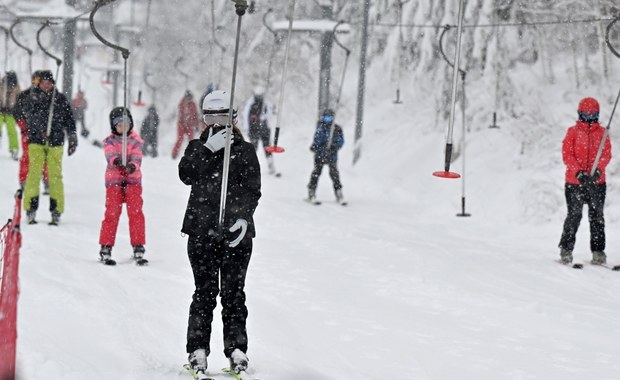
[187,123]
[47,106]
[20,119]
[123,184]
[328,139]
[579,150]
[9,90]
[149,132]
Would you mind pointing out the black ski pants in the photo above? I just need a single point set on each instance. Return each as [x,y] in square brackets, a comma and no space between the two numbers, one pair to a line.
[214,263]
[260,133]
[576,197]
[318,169]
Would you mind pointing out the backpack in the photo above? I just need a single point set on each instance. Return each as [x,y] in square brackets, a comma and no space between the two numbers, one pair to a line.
[256,109]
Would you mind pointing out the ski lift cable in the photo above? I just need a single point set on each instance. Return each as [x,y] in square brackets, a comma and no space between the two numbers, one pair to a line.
[24,47]
[240,8]
[275,148]
[448,150]
[125,54]
[613,111]
[495,25]
[50,115]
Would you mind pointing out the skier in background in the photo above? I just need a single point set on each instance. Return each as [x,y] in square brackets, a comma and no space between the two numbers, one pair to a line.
[219,256]
[149,132]
[256,118]
[79,109]
[187,123]
[9,90]
[123,184]
[44,148]
[579,150]
[328,139]
[24,163]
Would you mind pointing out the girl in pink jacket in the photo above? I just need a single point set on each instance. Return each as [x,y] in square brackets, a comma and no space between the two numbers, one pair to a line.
[123,184]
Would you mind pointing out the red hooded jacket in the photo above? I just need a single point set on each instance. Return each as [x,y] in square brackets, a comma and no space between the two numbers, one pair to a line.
[579,150]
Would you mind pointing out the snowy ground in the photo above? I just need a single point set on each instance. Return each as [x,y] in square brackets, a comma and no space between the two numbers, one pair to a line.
[394,285]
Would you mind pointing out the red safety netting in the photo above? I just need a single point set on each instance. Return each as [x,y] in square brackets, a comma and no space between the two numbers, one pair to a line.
[10,243]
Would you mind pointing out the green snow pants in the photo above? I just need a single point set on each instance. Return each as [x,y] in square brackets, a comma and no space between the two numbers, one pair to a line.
[11,132]
[38,155]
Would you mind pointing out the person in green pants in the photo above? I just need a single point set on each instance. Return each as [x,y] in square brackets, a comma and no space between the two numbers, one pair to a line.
[47,146]
[9,89]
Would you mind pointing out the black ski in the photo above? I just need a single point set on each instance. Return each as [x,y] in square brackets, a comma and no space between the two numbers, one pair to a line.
[110,262]
[141,261]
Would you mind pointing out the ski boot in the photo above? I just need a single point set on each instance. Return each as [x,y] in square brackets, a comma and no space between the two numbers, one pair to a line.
[138,254]
[197,366]
[15,155]
[31,216]
[599,258]
[55,218]
[105,255]
[312,197]
[566,256]
[238,361]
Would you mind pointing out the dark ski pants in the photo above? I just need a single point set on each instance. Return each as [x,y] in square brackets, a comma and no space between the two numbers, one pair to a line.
[214,263]
[576,196]
[261,133]
[318,169]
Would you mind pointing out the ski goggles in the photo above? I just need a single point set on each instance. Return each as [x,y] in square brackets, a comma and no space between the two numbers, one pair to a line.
[119,119]
[588,117]
[212,119]
[328,118]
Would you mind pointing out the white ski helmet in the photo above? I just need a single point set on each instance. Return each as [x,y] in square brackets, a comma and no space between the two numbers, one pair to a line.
[215,108]
[259,90]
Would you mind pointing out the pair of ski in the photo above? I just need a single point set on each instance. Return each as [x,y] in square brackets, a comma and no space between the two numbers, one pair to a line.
[203,376]
[580,266]
[318,203]
[139,261]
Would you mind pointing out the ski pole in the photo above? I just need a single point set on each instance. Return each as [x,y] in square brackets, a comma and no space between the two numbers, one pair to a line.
[275,148]
[240,7]
[28,50]
[599,152]
[50,115]
[125,55]
[448,153]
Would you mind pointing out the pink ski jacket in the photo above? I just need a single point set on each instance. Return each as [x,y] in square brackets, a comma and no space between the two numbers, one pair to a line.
[112,147]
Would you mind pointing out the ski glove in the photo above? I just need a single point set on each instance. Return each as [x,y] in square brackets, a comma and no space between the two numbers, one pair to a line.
[583,177]
[117,162]
[73,142]
[216,141]
[240,223]
[131,167]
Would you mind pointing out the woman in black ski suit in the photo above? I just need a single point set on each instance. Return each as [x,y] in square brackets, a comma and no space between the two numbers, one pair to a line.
[214,254]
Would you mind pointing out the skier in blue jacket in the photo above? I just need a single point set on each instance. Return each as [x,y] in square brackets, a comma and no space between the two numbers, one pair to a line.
[328,139]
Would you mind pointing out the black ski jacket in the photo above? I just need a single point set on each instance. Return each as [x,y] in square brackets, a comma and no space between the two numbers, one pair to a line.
[202,170]
[33,106]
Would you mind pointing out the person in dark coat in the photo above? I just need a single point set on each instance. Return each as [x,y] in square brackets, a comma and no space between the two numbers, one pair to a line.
[46,146]
[328,139]
[579,150]
[219,253]
[148,132]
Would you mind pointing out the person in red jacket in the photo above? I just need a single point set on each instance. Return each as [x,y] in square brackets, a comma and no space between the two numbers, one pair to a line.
[123,184]
[188,122]
[579,150]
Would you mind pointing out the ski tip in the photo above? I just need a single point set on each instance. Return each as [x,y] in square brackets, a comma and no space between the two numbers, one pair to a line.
[109,262]
[615,268]
[274,149]
[577,266]
[278,175]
